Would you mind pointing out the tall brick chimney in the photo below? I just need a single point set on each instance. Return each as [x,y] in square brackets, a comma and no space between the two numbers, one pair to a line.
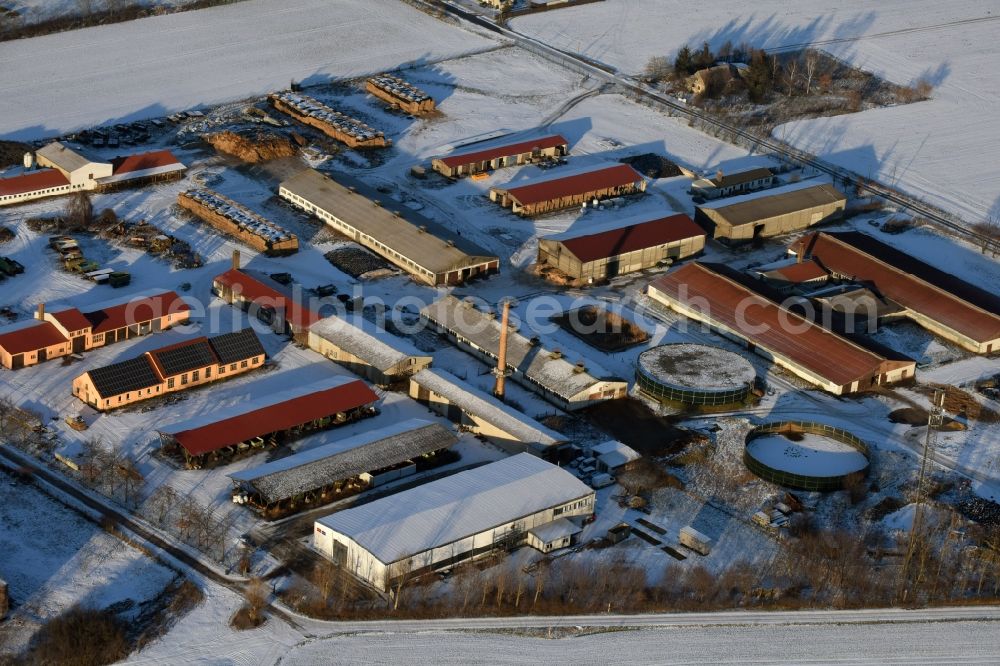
[40,315]
[501,369]
[236,260]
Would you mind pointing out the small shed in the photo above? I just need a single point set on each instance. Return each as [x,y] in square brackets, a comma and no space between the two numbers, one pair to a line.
[553,536]
[613,456]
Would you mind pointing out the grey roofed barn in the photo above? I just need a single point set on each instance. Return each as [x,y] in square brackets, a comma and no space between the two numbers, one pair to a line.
[486,407]
[425,242]
[345,459]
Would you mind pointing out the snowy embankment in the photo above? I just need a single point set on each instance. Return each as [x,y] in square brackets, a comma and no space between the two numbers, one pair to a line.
[149,67]
[939,150]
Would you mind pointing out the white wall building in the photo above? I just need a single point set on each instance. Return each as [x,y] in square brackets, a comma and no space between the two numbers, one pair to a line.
[454,519]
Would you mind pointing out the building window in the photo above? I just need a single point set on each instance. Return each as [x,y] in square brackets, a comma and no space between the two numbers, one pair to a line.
[184,379]
[170,382]
[196,375]
[208,372]
[243,364]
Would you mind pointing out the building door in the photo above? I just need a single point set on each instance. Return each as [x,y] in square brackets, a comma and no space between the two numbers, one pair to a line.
[613,267]
[17,361]
[43,355]
[78,344]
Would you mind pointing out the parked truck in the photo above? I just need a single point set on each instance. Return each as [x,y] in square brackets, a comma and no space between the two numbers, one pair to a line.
[695,540]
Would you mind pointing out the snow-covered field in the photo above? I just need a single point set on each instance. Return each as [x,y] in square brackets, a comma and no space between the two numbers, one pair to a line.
[938,150]
[149,67]
[35,11]
[52,558]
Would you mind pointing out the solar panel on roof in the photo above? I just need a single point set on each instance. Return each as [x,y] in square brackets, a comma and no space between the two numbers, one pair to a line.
[238,346]
[185,358]
[124,377]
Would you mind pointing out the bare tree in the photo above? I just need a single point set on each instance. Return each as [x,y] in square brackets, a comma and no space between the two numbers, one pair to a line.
[255,594]
[812,61]
[79,211]
[656,69]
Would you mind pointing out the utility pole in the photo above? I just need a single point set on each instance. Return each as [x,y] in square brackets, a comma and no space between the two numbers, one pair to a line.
[935,419]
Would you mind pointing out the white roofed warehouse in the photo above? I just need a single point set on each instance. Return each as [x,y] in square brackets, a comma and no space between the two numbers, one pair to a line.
[366,350]
[483,414]
[451,520]
[543,371]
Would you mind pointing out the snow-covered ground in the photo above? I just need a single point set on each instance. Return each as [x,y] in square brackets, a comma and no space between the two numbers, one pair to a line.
[36,11]
[937,150]
[53,558]
[152,66]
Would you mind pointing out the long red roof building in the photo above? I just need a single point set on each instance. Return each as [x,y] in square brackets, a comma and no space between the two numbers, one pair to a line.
[276,413]
[809,350]
[934,299]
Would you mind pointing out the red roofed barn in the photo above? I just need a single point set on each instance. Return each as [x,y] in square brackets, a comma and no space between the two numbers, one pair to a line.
[544,196]
[589,252]
[511,154]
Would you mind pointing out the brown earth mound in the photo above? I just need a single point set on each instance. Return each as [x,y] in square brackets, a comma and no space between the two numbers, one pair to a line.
[252,148]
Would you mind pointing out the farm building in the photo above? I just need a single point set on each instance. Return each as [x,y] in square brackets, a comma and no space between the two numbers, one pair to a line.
[366,350]
[460,517]
[322,474]
[793,276]
[168,369]
[64,171]
[423,248]
[946,306]
[552,194]
[598,252]
[81,172]
[483,414]
[238,221]
[268,421]
[460,164]
[398,92]
[140,169]
[265,299]
[772,212]
[614,456]
[336,125]
[545,372]
[719,298]
[729,184]
[65,331]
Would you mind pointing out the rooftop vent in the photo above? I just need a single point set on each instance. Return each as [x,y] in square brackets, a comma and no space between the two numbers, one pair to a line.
[556,354]
[534,341]
[579,368]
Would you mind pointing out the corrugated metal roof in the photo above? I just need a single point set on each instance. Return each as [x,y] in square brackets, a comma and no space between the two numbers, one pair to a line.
[616,175]
[62,156]
[740,177]
[449,509]
[913,284]
[766,204]
[28,336]
[278,411]
[33,181]
[803,271]
[268,294]
[504,150]
[375,346]
[142,165]
[423,241]
[767,325]
[589,244]
[366,452]
[486,407]
[557,375]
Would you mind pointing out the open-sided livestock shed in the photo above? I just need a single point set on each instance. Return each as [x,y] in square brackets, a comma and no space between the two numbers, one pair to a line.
[365,460]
